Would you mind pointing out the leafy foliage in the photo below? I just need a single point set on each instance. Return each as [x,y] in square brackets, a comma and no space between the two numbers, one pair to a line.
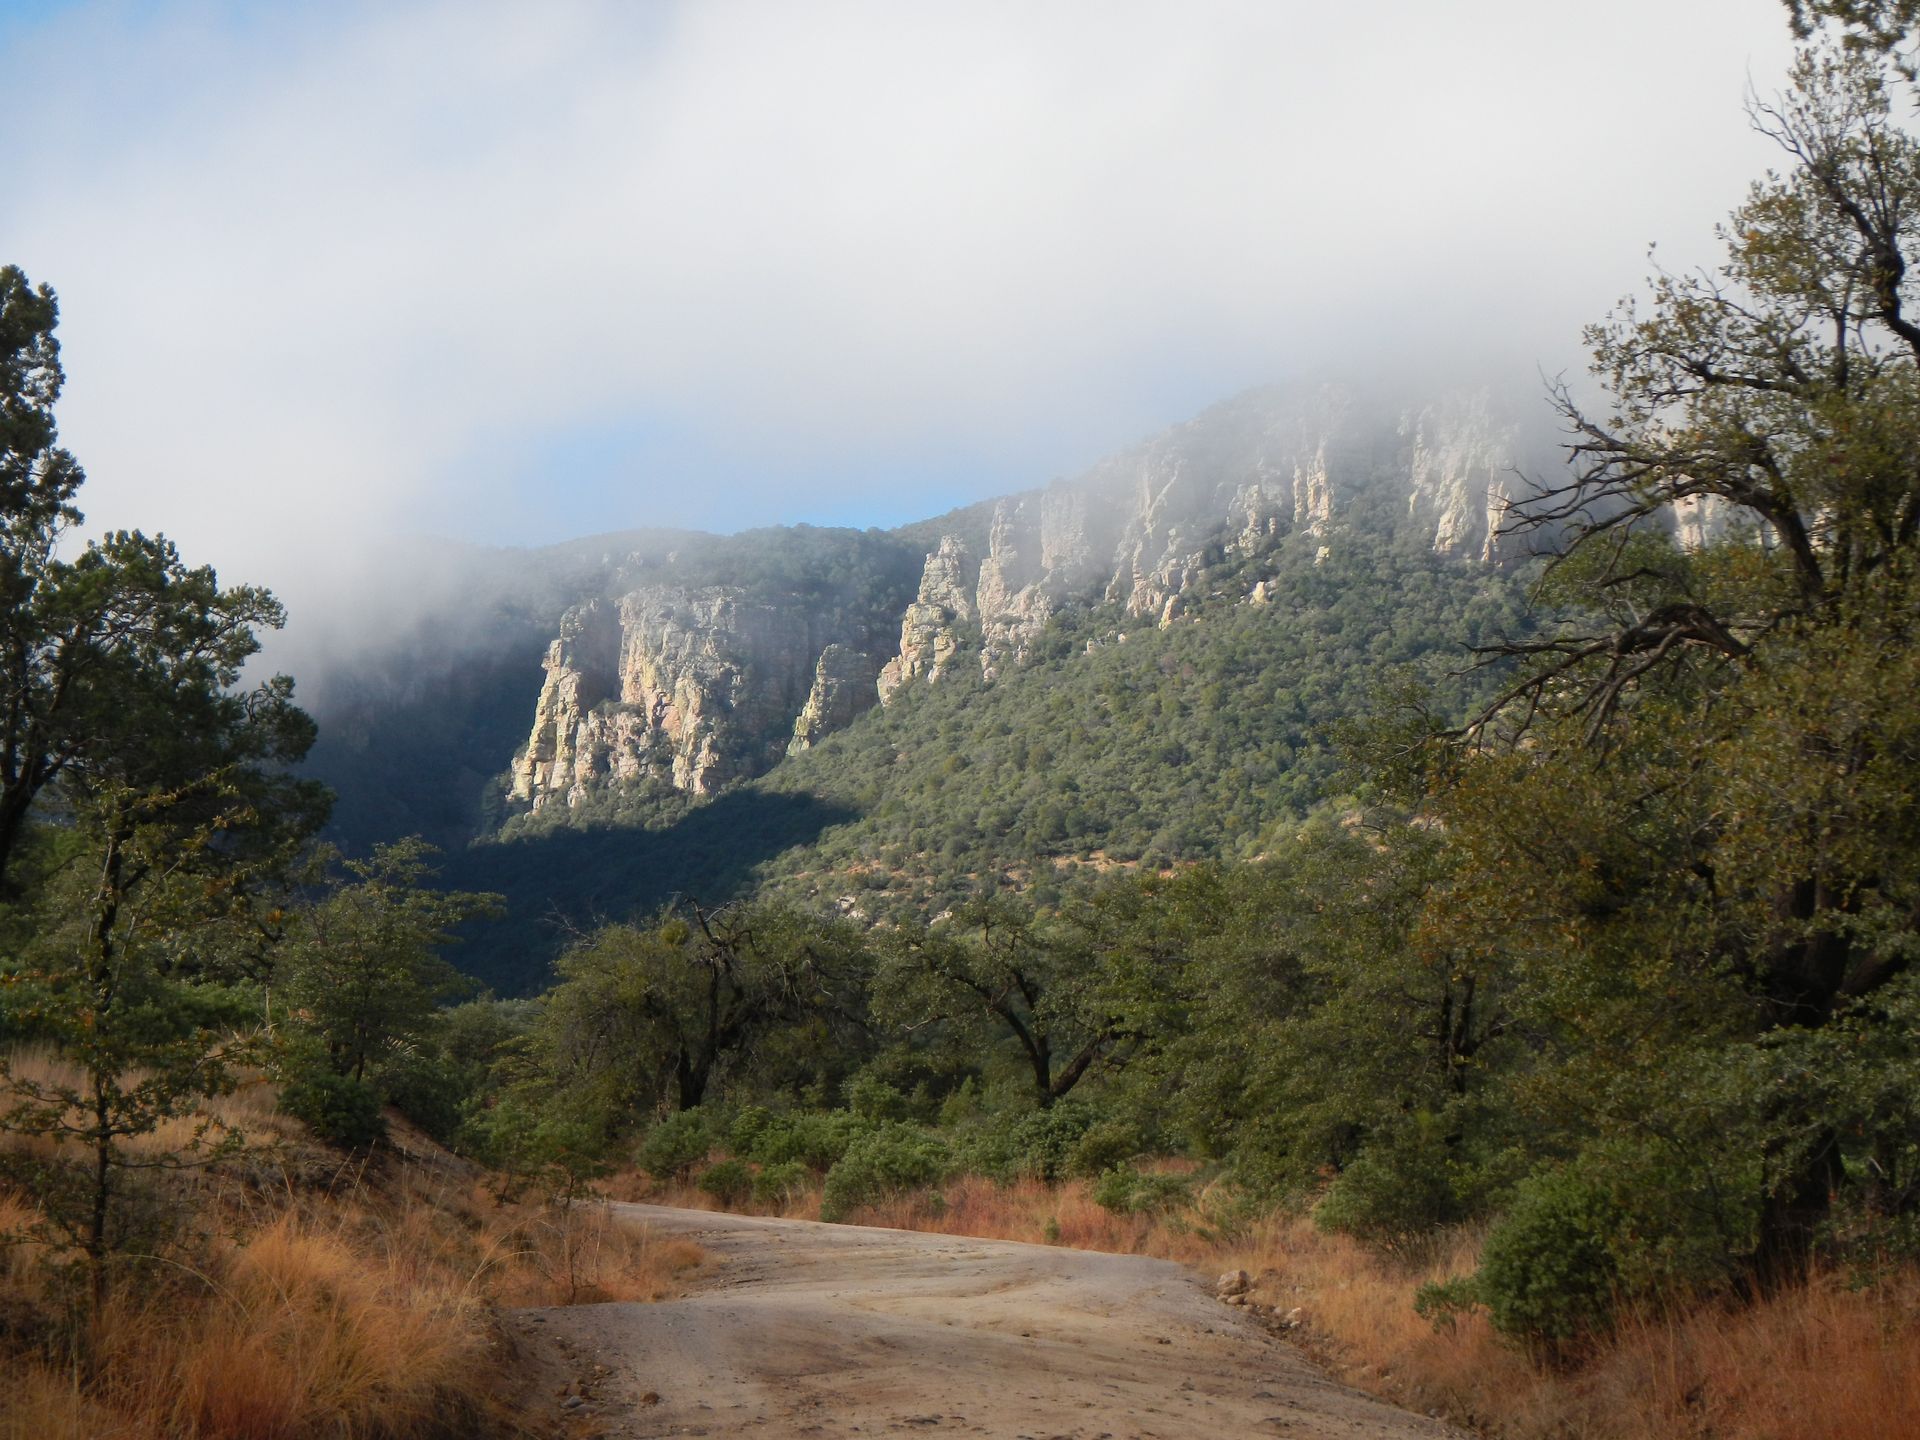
[362,966]
[890,1157]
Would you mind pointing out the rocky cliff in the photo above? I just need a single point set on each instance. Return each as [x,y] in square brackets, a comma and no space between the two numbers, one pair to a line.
[697,685]
[1142,528]
[705,663]
[936,623]
[694,687]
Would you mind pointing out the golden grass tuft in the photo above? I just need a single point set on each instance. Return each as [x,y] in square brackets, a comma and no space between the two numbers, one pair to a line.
[584,1255]
[305,1296]
[307,1333]
[299,1329]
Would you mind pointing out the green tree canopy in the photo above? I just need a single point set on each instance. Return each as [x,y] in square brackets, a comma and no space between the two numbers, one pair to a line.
[361,967]
[118,666]
[1690,823]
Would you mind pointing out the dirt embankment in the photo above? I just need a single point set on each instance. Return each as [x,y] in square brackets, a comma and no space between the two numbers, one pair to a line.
[834,1330]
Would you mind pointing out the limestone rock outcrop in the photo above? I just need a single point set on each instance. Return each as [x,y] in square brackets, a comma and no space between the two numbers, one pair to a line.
[1227,487]
[1698,520]
[580,666]
[1042,550]
[843,690]
[693,687]
[1145,528]
[1461,474]
[700,685]
[934,626]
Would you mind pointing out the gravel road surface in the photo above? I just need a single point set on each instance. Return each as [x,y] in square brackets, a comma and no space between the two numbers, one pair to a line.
[802,1329]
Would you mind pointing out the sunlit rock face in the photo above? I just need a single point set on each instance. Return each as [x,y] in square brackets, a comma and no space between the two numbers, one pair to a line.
[936,624]
[1698,520]
[1462,474]
[1225,486]
[697,688]
[1144,528]
[843,689]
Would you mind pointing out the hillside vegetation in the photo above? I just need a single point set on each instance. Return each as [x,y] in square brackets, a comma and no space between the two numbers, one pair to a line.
[1118,744]
[1568,1003]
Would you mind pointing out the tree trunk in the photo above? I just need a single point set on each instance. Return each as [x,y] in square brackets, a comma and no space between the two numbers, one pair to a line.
[1794,1211]
[691,1080]
[102,1198]
[14,804]
[1040,1055]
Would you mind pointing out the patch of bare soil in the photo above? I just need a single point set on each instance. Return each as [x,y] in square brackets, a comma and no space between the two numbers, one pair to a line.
[806,1329]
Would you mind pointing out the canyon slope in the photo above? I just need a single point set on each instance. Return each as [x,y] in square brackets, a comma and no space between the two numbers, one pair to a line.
[1144,664]
[669,680]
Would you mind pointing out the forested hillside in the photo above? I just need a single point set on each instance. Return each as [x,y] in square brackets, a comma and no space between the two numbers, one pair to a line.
[1119,745]
[1470,888]
[1139,669]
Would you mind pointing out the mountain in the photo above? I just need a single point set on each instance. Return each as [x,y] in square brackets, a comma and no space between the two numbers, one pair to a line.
[1139,665]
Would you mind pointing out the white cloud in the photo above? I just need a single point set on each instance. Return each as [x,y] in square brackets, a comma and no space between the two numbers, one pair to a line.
[330,272]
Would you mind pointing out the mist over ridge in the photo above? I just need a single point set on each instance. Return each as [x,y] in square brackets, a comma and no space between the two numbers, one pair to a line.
[506,278]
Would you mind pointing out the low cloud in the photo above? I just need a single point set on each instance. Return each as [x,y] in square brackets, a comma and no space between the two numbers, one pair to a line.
[513,273]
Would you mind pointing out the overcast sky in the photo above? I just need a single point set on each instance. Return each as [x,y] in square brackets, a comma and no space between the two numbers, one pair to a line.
[515,273]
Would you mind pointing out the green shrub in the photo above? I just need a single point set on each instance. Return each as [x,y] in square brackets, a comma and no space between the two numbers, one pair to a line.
[1396,1195]
[776,1185]
[1443,1302]
[747,1127]
[960,1107]
[881,1162]
[1548,1275]
[1107,1144]
[430,1092]
[337,1108]
[1044,1141]
[532,1132]
[1127,1191]
[816,1139]
[1036,1144]
[871,1098]
[675,1145]
[729,1181]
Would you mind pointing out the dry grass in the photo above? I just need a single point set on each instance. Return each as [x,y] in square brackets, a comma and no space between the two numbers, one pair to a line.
[248,1111]
[302,1333]
[585,1255]
[1813,1362]
[1040,1214]
[296,1328]
[306,1297]
[1818,1360]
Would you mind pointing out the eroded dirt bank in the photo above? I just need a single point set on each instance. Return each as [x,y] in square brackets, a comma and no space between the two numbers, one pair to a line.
[830,1330]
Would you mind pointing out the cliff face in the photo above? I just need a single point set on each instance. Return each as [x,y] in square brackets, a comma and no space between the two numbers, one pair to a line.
[1461,474]
[932,629]
[1140,529]
[843,690]
[700,685]
[694,687]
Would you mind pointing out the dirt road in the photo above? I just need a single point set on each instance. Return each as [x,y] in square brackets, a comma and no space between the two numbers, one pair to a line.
[839,1330]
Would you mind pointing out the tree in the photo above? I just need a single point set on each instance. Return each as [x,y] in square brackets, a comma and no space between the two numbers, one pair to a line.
[645,1016]
[96,653]
[172,814]
[362,971]
[990,965]
[1881,25]
[1691,813]
[146,936]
